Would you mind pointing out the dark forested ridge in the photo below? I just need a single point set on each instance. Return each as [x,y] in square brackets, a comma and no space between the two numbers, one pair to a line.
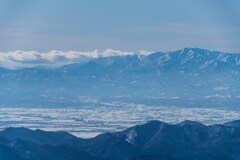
[154,140]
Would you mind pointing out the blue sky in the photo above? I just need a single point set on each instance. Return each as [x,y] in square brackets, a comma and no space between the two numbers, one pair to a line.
[154,25]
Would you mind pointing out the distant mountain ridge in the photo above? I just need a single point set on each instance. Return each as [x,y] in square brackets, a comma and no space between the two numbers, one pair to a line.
[192,75]
[154,140]
[185,56]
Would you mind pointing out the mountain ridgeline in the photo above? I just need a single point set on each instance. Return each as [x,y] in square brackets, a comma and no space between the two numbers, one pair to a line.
[189,77]
[154,140]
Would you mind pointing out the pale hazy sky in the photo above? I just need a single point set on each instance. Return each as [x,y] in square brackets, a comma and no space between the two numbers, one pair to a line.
[132,25]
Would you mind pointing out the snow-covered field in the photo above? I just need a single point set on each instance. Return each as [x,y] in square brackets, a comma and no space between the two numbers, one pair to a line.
[90,121]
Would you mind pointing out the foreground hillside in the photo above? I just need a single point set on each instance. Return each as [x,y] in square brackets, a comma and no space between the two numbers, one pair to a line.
[154,140]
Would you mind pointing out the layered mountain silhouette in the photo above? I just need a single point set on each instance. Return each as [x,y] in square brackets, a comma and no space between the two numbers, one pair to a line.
[189,77]
[154,140]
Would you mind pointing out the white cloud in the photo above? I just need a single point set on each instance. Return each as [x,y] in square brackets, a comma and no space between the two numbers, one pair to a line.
[15,59]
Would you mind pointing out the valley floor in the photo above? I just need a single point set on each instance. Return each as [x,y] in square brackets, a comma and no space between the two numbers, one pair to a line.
[89,121]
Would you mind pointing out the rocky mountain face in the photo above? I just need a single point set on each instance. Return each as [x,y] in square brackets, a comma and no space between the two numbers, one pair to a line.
[154,140]
[188,77]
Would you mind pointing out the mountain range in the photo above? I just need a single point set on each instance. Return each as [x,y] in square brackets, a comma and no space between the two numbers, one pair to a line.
[189,77]
[154,140]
